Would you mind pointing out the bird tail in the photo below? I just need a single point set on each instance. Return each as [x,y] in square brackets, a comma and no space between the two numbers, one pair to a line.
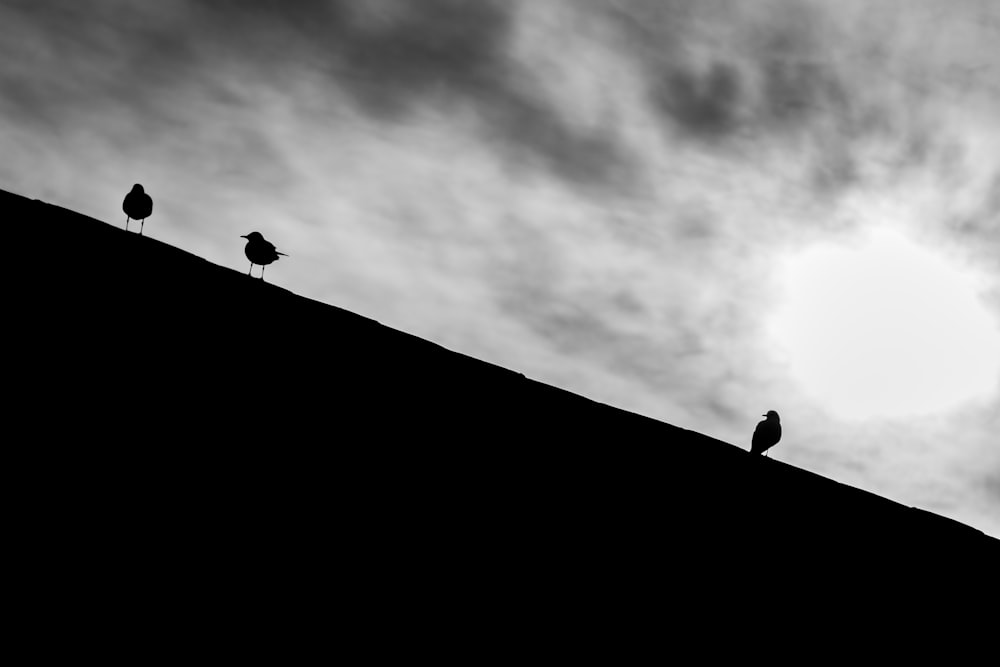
[283,254]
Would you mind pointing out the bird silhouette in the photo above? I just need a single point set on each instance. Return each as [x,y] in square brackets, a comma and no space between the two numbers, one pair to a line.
[137,206]
[260,251]
[767,434]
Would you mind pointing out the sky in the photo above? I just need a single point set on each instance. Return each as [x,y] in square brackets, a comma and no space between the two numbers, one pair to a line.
[694,210]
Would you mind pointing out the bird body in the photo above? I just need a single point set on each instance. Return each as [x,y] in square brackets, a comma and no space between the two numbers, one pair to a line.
[260,251]
[767,434]
[137,206]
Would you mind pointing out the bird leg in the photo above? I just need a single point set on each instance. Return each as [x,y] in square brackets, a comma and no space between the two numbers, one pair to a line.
[251,269]
[262,267]
[141,225]
[127,218]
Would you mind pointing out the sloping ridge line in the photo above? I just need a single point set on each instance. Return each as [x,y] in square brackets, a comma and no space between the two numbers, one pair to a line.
[209,403]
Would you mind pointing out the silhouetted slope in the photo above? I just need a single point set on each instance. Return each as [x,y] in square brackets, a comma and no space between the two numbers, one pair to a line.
[220,442]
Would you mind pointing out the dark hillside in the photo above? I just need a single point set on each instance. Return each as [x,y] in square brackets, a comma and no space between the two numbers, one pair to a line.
[184,437]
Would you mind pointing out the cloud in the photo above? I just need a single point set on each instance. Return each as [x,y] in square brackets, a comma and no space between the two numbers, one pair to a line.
[392,60]
[715,69]
[703,104]
[391,56]
[850,95]
[396,59]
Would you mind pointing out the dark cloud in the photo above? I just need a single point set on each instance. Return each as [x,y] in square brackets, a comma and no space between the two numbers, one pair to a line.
[447,53]
[704,104]
[428,49]
[109,56]
[392,58]
[388,54]
[772,78]
[791,58]
[797,90]
[529,128]
[776,96]
[396,57]
[699,101]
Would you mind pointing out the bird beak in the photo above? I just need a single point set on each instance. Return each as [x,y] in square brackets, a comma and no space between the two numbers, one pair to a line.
[243,236]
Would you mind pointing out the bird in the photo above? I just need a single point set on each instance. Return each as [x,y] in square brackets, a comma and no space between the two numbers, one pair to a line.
[767,434]
[137,206]
[260,251]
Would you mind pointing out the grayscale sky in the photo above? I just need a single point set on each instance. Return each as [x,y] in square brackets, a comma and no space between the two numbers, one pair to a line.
[694,210]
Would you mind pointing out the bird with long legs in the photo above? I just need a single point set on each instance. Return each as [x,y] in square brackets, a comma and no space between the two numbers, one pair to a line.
[137,206]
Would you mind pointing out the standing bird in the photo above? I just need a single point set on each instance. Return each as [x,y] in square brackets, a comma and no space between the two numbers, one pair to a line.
[260,251]
[137,206]
[767,434]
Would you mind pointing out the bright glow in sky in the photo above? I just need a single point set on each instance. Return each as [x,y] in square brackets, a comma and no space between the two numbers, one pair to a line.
[885,328]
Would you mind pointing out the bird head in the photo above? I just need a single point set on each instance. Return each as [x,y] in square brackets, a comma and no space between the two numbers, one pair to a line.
[137,189]
[771,414]
[252,236]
